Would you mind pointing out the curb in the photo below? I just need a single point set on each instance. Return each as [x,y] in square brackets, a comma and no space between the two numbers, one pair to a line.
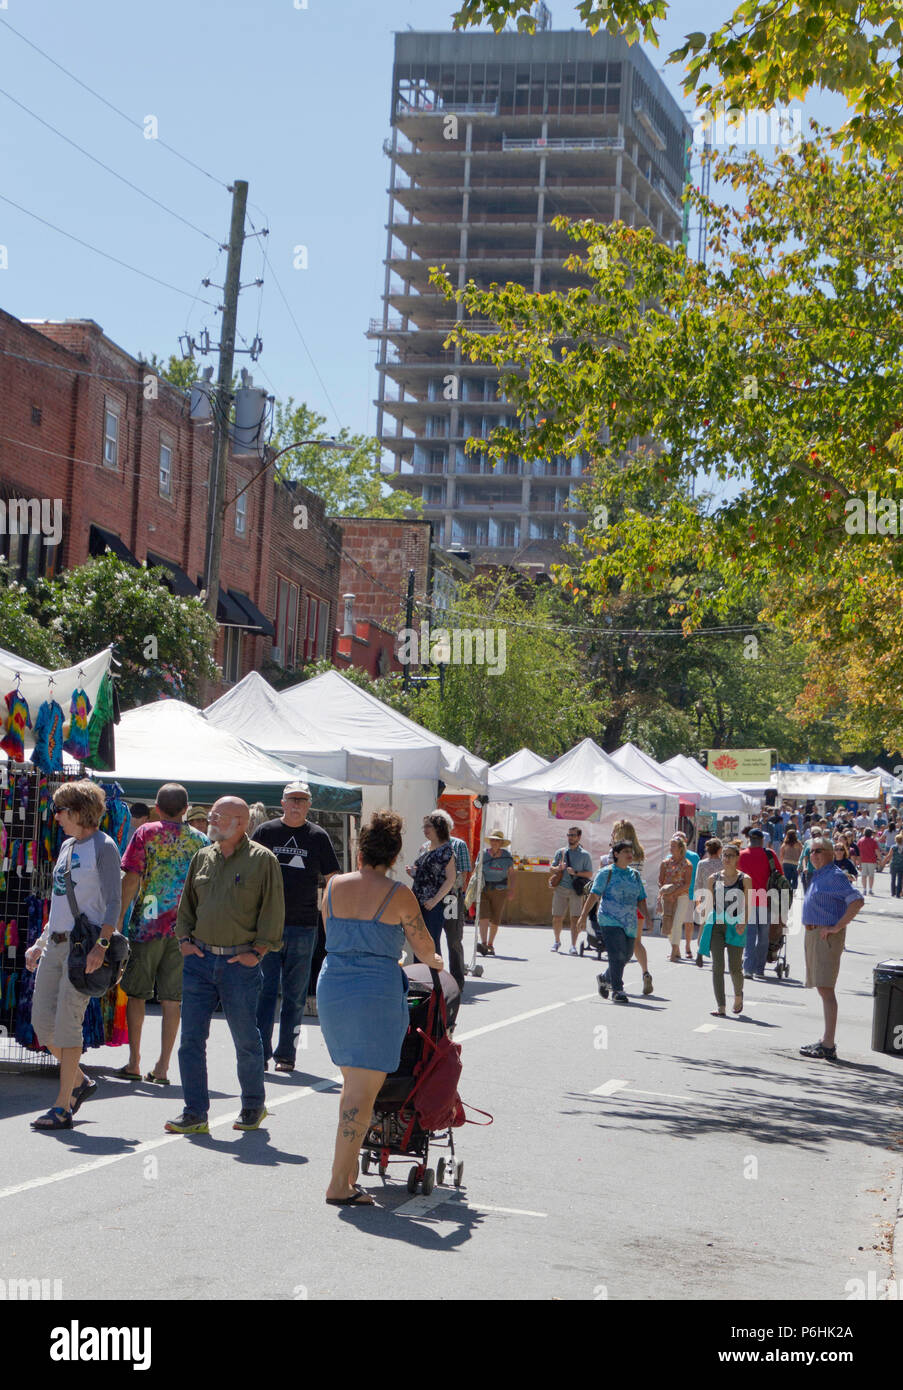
[896,1245]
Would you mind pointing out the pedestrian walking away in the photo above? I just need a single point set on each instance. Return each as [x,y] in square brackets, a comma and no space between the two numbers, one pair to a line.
[896,867]
[88,862]
[866,856]
[830,904]
[361,992]
[572,873]
[621,895]
[496,863]
[757,864]
[155,865]
[306,856]
[725,928]
[231,913]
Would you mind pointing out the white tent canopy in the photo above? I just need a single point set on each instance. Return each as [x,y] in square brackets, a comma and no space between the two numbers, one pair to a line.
[645,769]
[519,764]
[717,796]
[829,786]
[521,808]
[893,786]
[344,712]
[252,710]
[172,741]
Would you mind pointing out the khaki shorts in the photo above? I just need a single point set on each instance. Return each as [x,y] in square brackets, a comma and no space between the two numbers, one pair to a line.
[57,1009]
[565,901]
[823,958]
[155,962]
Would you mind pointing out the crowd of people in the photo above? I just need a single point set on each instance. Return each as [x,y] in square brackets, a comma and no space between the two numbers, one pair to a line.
[223,907]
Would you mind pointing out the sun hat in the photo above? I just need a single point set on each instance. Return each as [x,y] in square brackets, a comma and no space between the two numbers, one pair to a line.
[498,835]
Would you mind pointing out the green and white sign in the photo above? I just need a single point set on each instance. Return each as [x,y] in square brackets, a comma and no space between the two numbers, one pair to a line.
[740,764]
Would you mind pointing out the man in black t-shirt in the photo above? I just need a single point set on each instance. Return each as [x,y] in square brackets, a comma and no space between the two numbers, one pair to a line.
[304,852]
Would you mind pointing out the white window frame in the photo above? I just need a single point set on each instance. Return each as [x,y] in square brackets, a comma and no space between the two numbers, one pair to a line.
[111,410]
[241,515]
[232,654]
[166,472]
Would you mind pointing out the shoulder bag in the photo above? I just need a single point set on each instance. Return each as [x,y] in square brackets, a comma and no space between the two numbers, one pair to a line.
[82,940]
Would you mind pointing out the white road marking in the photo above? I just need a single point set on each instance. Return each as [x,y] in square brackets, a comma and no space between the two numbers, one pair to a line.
[506,1022]
[665,1095]
[608,1088]
[579,998]
[419,1206]
[508,1211]
[150,1144]
[706,1028]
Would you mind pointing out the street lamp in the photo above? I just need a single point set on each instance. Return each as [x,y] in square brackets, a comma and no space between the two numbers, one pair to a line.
[299,444]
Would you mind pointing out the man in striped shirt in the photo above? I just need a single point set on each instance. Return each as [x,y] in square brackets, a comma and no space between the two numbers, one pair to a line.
[830,904]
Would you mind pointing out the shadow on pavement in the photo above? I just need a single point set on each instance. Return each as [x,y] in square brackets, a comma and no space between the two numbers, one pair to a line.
[249,1146]
[383,1221]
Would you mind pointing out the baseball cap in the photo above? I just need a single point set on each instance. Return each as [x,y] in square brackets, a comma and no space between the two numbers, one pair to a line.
[755,834]
[296,789]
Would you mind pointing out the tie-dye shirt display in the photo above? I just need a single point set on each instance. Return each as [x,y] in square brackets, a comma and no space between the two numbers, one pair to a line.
[160,852]
[19,720]
[78,744]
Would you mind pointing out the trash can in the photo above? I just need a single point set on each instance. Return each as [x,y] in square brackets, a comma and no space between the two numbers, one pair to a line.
[887,1016]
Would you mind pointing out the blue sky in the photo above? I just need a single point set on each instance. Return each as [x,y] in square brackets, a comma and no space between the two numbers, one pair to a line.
[296,101]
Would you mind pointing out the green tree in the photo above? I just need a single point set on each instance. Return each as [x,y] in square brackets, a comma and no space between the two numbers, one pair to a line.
[351,484]
[163,643]
[765,53]
[21,631]
[178,371]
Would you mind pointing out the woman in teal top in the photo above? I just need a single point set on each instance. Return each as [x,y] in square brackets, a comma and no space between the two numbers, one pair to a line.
[725,928]
[361,990]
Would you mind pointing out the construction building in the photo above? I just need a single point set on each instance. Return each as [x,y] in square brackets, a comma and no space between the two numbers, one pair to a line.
[493,136]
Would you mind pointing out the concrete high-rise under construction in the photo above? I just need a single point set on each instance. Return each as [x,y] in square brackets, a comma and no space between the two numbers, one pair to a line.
[493,136]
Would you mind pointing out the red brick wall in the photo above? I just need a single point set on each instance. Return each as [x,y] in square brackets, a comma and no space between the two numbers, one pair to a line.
[378,556]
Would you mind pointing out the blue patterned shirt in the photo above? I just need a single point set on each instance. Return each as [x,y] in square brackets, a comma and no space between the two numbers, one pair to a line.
[828,896]
[619,890]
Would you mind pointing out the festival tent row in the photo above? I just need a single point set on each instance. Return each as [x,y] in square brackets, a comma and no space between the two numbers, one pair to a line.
[822,782]
[519,764]
[170,741]
[588,788]
[714,795]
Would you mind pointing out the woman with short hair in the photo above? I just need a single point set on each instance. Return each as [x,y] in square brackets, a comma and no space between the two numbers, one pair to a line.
[89,861]
[434,872]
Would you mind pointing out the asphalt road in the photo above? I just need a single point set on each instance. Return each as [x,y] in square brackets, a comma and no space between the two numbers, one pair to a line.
[640,1152]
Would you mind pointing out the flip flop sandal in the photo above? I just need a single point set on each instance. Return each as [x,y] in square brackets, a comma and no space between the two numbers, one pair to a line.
[83,1092]
[157,1080]
[127,1075]
[360,1199]
[718,1013]
[55,1118]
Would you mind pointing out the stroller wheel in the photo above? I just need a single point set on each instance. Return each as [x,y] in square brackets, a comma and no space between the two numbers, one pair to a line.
[440,1172]
[413,1179]
[365,1162]
[582,948]
[429,1182]
[478,970]
[383,1169]
[459,1172]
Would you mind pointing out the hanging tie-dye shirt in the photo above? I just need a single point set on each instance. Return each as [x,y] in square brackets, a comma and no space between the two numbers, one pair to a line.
[19,720]
[47,753]
[160,852]
[78,743]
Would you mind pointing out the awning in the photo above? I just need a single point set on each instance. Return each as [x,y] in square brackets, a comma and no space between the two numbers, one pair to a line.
[227,610]
[100,541]
[177,579]
[255,617]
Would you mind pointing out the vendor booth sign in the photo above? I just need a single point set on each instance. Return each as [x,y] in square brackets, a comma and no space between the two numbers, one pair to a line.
[740,764]
[575,806]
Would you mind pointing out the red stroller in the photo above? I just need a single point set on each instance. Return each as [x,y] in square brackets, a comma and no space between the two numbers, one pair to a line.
[418,1104]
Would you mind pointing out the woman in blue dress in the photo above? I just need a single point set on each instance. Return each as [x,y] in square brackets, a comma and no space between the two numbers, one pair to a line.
[361,990]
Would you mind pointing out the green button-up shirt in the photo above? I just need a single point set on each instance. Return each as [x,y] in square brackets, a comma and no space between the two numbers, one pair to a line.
[236,900]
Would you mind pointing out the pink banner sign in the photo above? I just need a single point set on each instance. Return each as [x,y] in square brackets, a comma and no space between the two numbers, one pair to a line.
[575,806]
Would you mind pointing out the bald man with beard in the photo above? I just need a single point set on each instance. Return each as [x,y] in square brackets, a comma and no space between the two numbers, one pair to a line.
[231,913]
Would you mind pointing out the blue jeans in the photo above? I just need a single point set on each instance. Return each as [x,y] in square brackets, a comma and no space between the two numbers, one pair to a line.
[209,980]
[293,964]
[434,917]
[756,944]
[620,948]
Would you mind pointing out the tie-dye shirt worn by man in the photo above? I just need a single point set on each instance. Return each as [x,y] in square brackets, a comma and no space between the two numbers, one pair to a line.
[160,852]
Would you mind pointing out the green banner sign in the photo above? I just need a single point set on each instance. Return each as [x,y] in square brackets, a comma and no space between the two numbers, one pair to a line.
[740,764]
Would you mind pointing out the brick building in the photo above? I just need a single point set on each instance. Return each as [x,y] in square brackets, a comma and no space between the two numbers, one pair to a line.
[377,558]
[86,424]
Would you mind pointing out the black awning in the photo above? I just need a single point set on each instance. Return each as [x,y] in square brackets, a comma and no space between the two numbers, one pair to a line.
[256,618]
[100,541]
[177,579]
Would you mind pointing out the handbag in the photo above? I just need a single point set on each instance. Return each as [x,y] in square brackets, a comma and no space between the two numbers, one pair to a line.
[777,881]
[82,940]
[434,1096]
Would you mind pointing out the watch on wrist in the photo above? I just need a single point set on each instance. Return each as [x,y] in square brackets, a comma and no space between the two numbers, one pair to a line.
[259,954]
[103,941]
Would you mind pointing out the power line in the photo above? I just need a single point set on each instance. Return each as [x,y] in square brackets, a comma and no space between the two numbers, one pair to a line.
[75,145]
[80,371]
[106,254]
[137,125]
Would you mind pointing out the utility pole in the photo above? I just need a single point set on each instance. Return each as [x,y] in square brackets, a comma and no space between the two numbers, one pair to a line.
[223,398]
[409,623]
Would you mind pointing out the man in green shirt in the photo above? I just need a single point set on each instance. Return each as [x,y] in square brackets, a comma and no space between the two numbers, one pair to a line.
[231,912]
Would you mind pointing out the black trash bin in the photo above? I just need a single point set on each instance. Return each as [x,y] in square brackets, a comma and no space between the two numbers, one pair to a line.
[887,1016]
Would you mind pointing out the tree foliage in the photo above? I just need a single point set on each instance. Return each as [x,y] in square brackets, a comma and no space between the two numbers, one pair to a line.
[764,54]
[163,643]
[351,484]
[21,631]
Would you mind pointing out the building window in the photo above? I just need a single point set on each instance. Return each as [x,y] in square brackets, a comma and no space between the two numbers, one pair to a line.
[286,619]
[165,467]
[232,654]
[317,638]
[111,435]
[324,645]
[35,414]
[241,515]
